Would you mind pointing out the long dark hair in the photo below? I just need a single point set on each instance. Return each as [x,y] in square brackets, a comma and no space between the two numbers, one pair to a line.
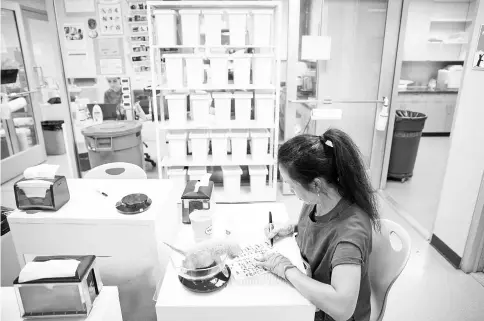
[336,158]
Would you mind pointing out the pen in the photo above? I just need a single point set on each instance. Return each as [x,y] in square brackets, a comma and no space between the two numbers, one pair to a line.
[271,227]
[102,193]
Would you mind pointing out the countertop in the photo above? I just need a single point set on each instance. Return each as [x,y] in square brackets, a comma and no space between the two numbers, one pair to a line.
[421,90]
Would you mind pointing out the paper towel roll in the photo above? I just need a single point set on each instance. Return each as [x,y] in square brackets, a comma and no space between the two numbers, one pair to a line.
[17,104]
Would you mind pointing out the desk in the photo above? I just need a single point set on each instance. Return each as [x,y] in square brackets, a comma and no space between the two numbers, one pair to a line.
[126,245]
[239,301]
[106,307]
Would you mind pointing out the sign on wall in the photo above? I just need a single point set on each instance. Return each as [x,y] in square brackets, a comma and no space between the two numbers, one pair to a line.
[110,18]
[479,55]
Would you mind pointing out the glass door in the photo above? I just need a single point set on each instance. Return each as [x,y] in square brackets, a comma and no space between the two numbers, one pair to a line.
[22,143]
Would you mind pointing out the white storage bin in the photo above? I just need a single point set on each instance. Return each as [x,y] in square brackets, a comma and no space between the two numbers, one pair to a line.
[259,144]
[223,106]
[195,70]
[242,69]
[262,69]
[258,177]
[243,106]
[174,70]
[232,175]
[238,139]
[178,176]
[219,144]
[262,27]
[199,142]
[219,69]
[237,26]
[196,173]
[177,109]
[264,108]
[177,144]
[200,107]
[190,23]
[213,27]
[165,22]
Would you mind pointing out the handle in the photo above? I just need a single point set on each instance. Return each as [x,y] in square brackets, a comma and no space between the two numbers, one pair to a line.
[328,101]
[101,146]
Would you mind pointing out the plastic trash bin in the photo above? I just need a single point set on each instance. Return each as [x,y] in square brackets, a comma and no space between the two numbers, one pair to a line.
[53,137]
[406,138]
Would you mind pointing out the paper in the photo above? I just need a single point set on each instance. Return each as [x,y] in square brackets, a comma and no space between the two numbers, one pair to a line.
[76,6]
[75,36]
[109,47]
[110,18]
[111,66]
[479,55]
[316,48]
[49,269]
[41,171]
[244,265]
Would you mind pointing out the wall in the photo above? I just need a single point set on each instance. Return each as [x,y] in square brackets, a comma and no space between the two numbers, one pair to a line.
[466,158]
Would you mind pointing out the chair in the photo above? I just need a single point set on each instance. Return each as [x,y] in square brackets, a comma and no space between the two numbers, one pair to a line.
[116,171]
[387,261]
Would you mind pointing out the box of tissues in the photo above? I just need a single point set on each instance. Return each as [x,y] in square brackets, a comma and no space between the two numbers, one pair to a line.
[197,196]
[58,286]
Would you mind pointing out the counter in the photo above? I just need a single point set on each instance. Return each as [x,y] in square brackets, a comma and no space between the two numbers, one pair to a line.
[428,91]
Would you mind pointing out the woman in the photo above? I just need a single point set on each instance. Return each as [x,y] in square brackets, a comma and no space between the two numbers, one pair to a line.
[334,232]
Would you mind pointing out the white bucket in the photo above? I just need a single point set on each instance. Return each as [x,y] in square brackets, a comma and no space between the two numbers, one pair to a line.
[178,175]
[200,107]
[259,144]
[242,70]
[223,106]
[264,108]
[177,145]
[219,145]
[262,27]
[213,27]
[174,70]
[190,20]
[177,109]
[258,175]
[243,106]
[165,22]
[199,140]
[195,70]
[238,140]
[232,175]
[196,173]
[262,70]
[237,26]
[23,137]
[219,66]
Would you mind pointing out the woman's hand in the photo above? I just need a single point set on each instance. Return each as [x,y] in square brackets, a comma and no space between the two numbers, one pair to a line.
[275,263]
[278,231]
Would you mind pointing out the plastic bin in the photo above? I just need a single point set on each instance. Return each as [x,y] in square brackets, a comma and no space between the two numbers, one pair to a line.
[195,70]
[190,23]
[199,143]
[174,70]
[213,27]
[200,107]
[53,137]
[238,139]
[406,138]
[196,173]
[177,144]
[177,109]
[259,144]
[258,178]
[231,176]
[264,108]
[219,145]
[114,141]
[262,27]
[223,106]
[237,26]
[178,175]
[165,24]
[262,70]
[242,69]
[23,140]
[243,106]
[219,69]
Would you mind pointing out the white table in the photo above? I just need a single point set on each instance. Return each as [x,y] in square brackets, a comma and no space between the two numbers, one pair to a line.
[239,301]
[106,307]
[126,245]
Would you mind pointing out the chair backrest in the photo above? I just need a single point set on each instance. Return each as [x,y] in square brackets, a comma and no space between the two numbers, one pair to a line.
[117,171]
[390,253]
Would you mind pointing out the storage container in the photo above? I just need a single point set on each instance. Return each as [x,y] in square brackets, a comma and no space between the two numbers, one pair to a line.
[238,139]
[178,176]
[53,137]
[23,139]
[213,27]
[165,24]
[200,107]
[232,176]
[262,23]
[259,144]
[174,70]
[223,106]
[199,142]
[196,173]
[177,144]
[262,70]
[237,26]
[242,70]
[177,109]
[264,108]
[243,106]
[258,178]
[219,69]
[190,25]
[219,144]
[195,70]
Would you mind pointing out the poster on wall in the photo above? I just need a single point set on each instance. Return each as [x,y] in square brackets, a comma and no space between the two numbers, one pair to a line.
[109,47]
[479,55]
[75,36]
[77,6]
[110,18]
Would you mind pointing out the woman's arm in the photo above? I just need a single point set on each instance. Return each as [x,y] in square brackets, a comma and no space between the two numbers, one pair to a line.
[337,299]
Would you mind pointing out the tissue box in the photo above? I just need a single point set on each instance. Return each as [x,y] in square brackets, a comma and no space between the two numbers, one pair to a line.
[41,193]
[60,297]
[195,200]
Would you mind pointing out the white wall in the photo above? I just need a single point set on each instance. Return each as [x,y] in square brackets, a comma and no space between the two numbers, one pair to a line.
[466,158]
[35,4]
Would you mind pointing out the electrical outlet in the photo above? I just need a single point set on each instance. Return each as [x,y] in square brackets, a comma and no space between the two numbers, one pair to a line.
[326,113]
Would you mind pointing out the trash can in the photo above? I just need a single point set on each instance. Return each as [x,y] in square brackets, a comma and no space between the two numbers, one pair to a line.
[53,137]
[406,138]
[114,141]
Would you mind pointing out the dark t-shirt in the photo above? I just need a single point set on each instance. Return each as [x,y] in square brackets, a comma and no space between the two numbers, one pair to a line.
[342,236]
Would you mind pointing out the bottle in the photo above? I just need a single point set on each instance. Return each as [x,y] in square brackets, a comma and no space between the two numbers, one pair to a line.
[97,114]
